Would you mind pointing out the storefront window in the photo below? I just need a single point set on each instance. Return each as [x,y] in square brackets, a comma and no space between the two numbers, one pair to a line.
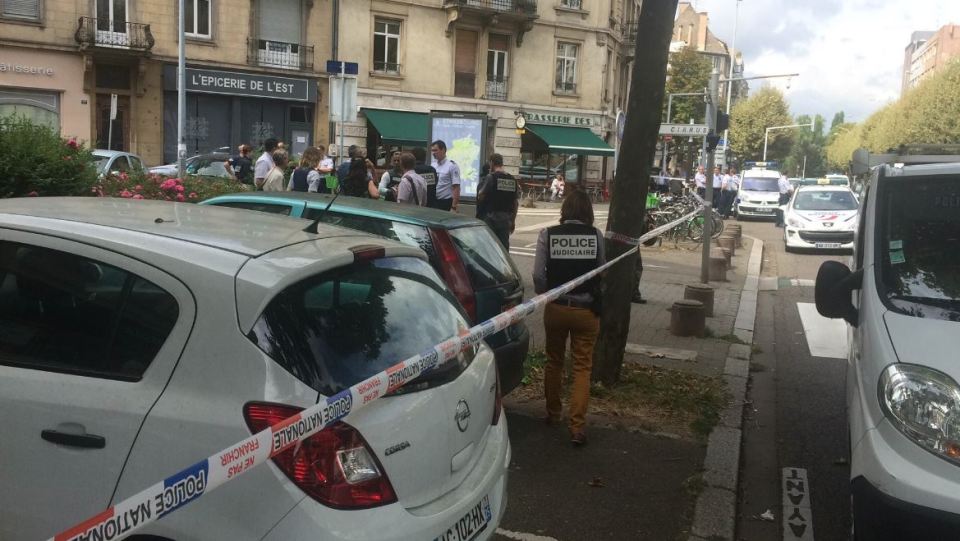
[543,166]
[41,108]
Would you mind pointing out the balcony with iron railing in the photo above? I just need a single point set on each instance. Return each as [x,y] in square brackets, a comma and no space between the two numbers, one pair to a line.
[496,88]
[563,87]
[278,54]
[517,8]
[389,68]
[630,38]
[115,35]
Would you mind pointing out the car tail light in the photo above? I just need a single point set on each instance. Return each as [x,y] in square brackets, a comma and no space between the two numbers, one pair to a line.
[497,402]
[454,273]
[335,466]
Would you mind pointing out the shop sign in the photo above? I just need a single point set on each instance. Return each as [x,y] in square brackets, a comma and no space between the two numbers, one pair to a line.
[26,70]
[567,120]
[242,84]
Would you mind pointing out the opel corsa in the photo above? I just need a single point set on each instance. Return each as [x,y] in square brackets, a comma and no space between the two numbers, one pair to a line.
[139,337]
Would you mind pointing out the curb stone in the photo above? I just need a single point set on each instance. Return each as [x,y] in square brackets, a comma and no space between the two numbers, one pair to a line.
[715,513]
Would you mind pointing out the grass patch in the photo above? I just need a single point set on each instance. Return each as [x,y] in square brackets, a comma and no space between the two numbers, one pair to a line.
[676,398]
[732,338]
[533,366]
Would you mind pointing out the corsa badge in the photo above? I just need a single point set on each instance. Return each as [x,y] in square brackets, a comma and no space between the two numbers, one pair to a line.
[462,416]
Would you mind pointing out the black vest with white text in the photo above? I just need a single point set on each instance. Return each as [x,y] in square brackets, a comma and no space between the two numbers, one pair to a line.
[572,250]
[429,175]
[501,193]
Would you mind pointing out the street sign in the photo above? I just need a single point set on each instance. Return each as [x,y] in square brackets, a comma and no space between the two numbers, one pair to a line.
[336,66]
[113,106]
[692,130]
[349,105]
[621,122]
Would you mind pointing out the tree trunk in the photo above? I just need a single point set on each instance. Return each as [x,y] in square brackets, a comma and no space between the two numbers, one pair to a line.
[628,200]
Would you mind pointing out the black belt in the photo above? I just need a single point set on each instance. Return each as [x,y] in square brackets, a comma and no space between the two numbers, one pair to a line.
[572,303]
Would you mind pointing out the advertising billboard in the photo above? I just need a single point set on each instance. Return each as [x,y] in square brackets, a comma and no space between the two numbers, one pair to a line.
[465,137]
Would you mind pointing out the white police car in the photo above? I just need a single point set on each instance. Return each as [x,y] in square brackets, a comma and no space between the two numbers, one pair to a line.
[139,337]
[820,217]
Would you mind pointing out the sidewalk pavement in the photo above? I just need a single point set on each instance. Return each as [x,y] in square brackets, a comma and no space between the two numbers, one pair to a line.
[701,481]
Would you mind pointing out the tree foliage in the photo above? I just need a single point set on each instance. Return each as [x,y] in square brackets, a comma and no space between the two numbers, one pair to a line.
[925,115]
[807,157]
[689,72]
[750,119]
[39,162]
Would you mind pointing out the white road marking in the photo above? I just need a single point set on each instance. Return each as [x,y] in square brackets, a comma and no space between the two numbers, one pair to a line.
[802,282]
[825,337]
[535,227]
[797,517]
[531,245]
[524,254]
[520,536]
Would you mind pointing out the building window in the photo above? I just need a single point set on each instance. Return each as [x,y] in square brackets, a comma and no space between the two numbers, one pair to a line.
[572,4]
[38,107]
[20,9]
[566,81]
[197,18]
[497,67]
[386,46]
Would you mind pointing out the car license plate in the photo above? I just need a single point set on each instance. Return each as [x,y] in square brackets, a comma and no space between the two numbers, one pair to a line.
[828,245]
[470,525]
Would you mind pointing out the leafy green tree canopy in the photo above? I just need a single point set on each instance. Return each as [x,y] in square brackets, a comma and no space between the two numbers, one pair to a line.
[749,120]
[689,72]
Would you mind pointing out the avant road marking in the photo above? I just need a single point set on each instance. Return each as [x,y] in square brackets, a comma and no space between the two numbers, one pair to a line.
[825,337]
[797,518]
[520,536]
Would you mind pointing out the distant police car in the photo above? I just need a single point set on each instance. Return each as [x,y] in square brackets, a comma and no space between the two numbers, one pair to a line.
[821,217]
[141,336]
[759,194]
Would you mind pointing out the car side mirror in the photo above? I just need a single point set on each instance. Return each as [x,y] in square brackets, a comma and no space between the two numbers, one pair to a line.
[835,283]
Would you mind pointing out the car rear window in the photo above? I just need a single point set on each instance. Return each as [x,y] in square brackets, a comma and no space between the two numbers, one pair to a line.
[342,326]
[272,208]
[486,260]
[409,234]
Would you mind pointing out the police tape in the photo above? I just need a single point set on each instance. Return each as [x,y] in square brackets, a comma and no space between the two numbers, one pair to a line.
[189,484]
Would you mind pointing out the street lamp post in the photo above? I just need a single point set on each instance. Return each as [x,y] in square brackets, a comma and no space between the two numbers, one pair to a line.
[181,95]
[730,80]
[733,53]
[766,134]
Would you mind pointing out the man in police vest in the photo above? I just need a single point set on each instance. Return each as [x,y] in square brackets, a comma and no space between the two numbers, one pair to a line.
[565,252]
[500,197]
[391,178]
[428,173]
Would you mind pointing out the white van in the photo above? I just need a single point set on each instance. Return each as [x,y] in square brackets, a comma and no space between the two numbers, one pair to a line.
[759,194]
[902,303]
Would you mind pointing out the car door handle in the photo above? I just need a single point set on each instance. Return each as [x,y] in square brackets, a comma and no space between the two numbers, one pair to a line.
[89,441]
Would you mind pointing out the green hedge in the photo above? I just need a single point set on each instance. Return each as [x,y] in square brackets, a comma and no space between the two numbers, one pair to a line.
[35,160]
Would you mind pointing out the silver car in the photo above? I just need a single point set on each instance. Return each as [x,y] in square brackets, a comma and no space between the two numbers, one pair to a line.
[139,337]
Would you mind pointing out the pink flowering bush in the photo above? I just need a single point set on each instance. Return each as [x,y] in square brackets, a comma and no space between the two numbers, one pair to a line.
[37,161]
[138,185]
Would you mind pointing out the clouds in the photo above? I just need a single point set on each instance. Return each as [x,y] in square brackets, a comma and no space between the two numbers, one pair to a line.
[849,53]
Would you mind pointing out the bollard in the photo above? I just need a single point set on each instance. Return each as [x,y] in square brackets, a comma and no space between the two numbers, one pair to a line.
[687,318]
[728,255]
[737,232]
[728,241]
[702,293]
[718,267]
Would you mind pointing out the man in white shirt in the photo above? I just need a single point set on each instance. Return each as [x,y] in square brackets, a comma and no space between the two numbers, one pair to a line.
[785,190]
[730,187]
[448,177]
[264,162]
[700,181]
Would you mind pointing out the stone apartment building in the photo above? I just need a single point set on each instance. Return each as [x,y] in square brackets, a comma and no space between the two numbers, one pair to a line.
[929,52]
[692,29]
[562,65]
[251,70]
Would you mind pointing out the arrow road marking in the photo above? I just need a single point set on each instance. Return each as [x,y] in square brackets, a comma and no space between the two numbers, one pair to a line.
[797,517]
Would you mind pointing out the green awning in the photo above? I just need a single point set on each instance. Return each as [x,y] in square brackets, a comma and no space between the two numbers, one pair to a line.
[400,127]
[571,140]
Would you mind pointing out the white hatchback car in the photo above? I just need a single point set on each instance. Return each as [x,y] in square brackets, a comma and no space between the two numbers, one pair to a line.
[902,301]
[821,217]
[138,337]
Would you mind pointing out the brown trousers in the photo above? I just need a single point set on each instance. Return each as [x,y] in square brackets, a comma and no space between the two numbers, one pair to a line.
[582,326]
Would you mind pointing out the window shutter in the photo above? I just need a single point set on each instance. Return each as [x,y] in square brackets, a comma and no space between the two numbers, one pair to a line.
[23,9]
[280,20]
[499,42]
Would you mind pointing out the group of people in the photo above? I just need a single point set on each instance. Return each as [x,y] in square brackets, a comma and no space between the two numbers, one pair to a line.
[725,188]
[410,179]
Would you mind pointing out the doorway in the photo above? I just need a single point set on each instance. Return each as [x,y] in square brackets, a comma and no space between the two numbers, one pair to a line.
[118,139]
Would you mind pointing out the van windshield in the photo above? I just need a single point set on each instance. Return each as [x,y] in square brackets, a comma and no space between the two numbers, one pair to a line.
[342,326]
[920,232]
[760,184]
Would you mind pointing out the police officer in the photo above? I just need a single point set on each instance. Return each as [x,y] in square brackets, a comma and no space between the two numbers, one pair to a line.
[391,178]
[428,173]
[565,252]
[500,198]
[448,177]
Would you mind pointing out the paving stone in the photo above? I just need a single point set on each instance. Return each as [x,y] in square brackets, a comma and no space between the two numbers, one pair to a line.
[740,351]
[737,367]
[714,515]
[722,463]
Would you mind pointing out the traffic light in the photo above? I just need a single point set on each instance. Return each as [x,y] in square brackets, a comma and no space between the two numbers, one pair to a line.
[713,140]
[723,121]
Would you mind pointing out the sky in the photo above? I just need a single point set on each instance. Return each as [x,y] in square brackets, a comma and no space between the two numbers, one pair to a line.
[849,53]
